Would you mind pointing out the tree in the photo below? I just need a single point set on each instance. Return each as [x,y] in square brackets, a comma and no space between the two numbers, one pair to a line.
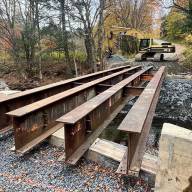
[176,24]
[30,36]
[134,13]
[86,12]
[179,20]
[101,32]
[9,28]
[63,11]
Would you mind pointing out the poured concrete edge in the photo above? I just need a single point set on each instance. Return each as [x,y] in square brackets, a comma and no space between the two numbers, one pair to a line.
[57,139]
[175,153]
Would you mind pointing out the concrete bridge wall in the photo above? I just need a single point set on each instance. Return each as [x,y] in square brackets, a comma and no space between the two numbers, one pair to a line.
[175,166]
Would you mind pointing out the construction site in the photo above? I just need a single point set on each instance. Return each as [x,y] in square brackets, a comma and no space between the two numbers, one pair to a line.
[121,122]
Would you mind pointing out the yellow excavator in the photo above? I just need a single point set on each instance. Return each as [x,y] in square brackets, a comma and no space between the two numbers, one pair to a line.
[153,49]
[147,47]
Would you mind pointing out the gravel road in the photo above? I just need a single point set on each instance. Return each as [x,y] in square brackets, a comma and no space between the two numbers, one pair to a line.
[40,171]
[176,100]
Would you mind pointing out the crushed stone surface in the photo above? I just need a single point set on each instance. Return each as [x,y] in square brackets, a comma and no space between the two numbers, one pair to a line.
[175,100]
[40,170]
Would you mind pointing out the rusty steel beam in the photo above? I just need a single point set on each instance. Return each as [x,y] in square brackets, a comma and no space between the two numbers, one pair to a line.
[35,122]
[137,125]
[144,77]
[128,90]
[84,124]
[21,99]
[133,91]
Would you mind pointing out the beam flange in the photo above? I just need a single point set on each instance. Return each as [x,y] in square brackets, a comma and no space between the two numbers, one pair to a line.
[138,122]
[84,121]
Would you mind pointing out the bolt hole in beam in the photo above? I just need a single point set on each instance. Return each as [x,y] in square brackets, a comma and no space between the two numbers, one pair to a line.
[21,99]
[29,121]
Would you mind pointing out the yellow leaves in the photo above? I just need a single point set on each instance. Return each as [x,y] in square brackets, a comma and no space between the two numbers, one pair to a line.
[183,3]
[188,39]
[48,43]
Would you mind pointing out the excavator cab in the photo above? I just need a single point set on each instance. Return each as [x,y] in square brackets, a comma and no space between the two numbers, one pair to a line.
[144,44]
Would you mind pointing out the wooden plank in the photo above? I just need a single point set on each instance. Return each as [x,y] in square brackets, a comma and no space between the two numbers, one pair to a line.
[108,149]
[122,169]
[149,164]
[117,152]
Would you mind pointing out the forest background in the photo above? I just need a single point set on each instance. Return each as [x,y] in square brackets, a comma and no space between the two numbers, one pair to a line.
[57,39]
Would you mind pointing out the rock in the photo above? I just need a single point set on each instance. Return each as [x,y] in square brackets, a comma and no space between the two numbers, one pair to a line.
[175,100]
[3,86]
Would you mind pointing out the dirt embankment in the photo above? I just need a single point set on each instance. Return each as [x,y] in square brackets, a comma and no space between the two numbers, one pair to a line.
[51,73]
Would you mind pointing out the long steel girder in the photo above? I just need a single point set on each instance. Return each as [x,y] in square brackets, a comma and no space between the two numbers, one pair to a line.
[21,99]
[86,122]
[35,122]
[137,124]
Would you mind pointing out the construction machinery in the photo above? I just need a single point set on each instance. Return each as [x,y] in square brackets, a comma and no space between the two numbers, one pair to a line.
[145,46]
[116,35]
[153,49]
